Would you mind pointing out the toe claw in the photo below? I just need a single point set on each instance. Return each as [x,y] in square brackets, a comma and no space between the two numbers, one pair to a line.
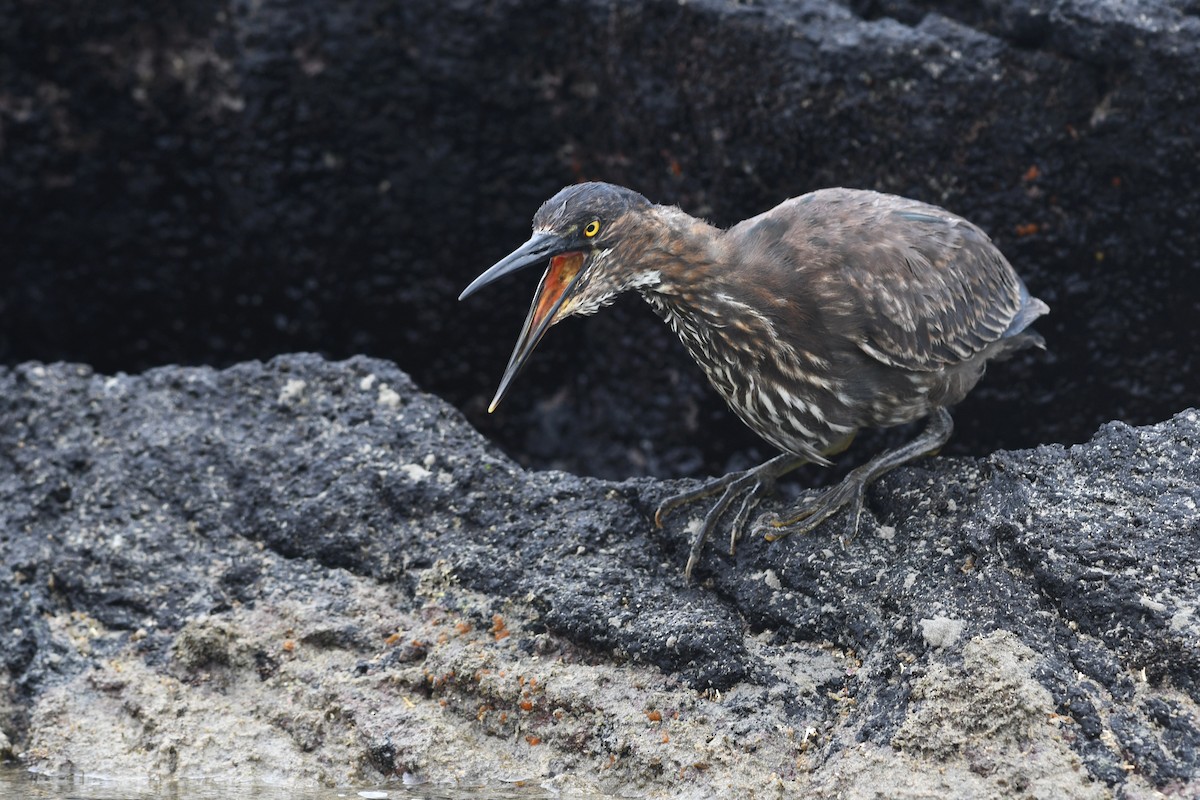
[813,513]
[749,484]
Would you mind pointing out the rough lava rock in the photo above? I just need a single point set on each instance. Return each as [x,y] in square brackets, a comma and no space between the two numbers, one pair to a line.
[310,572]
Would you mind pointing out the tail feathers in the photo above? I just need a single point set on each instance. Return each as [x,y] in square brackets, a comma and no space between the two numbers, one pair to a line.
[1031,308]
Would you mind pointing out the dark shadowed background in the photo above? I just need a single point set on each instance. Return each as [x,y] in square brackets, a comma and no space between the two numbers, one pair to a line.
[214,180]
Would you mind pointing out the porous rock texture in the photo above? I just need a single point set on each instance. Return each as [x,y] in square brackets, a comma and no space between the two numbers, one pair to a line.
[310,571]
[307,571]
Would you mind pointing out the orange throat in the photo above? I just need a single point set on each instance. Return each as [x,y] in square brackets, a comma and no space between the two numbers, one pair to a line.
[562,270]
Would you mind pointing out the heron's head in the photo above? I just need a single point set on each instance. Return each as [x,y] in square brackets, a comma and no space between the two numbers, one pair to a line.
[591,237]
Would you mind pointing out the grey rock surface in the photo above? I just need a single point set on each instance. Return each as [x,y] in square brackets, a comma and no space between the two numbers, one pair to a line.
[311,572]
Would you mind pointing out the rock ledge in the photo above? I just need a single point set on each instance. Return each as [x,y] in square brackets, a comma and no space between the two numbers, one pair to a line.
[310,572]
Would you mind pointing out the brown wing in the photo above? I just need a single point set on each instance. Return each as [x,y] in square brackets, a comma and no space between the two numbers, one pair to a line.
[928,289]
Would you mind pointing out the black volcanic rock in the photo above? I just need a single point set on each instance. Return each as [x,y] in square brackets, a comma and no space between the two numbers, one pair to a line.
[311,572]
[206,182]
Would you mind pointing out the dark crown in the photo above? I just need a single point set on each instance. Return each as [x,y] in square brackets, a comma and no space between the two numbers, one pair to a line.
[584,202]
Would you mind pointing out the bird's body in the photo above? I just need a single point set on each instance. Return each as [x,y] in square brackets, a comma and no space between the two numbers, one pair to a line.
[840,310]
[834,311]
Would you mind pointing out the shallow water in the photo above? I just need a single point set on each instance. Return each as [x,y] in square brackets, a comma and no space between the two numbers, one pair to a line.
[17,784]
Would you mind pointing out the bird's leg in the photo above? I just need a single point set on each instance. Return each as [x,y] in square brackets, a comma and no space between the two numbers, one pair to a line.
[853,487]
[751,484]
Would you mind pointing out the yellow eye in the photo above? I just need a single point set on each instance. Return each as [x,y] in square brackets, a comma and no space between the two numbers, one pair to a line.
[592,228]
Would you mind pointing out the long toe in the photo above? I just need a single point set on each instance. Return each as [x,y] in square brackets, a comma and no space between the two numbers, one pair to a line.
[749,501]
[699,493]
[810,515]
[745,484]
[750,485]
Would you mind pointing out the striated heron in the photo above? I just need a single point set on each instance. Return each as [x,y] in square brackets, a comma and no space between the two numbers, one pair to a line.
[835,311]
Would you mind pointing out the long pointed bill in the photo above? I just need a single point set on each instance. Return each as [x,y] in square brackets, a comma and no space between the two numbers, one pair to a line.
[539,247]
[551,293]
